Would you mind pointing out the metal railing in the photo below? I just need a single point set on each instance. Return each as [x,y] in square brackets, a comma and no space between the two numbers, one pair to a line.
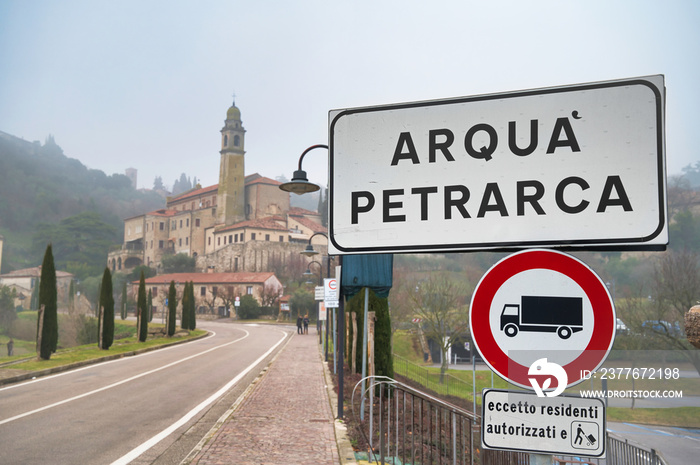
[450,385]
[430,439]
[407,426]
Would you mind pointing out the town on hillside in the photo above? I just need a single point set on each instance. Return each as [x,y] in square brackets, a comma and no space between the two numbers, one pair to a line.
[239,232]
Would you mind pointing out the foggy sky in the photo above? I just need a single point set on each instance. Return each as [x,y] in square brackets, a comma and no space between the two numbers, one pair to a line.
[146,84]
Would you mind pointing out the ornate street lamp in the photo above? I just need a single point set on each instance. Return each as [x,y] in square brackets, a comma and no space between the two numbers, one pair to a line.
[300,183]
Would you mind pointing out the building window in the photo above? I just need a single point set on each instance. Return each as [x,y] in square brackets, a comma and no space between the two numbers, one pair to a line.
[209,241]
[235,237]
[173,225]
[218,241]
[267,237]
[242,237]
[192,206]
[154,291]
[196,222]
[224,240]
[225,140]
[281,238]
[214,290]
[187,223]
[236,140]
[162,226]
[181,223]
[235,264]
[160,244]
[179,242]
[249,290]
[203,291]
[252,236]
[187,241]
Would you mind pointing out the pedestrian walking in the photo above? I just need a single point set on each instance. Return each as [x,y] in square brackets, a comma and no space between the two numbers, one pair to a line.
[10,347]
[306,324]
[299,322]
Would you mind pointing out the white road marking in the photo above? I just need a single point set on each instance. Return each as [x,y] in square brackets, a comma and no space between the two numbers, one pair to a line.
[119,383]
[133,454]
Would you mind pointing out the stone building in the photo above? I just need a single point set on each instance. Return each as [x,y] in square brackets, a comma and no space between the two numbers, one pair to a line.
[242,224]
[214,292]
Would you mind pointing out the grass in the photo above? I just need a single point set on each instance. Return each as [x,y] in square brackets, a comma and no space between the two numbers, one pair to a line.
[461,385]
[82,353]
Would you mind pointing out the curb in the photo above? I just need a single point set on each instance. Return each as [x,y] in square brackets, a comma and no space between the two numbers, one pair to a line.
[345,451]
[71,366]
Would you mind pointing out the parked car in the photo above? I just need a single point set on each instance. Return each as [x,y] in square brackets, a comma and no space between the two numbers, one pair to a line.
[621,327]
[662,327]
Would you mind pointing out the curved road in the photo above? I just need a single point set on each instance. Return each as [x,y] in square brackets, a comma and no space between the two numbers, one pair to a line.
[148,408]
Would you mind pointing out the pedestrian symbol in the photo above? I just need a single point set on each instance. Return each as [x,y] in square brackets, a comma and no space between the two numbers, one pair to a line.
[584,435]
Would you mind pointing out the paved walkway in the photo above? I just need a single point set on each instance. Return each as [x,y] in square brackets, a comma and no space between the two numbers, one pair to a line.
[286,417]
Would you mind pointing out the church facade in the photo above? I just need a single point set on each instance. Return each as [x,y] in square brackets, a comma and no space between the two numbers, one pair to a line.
[242,224]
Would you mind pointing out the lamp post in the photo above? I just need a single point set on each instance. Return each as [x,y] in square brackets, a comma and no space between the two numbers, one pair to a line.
[310,252]
[320,284]
[301,185]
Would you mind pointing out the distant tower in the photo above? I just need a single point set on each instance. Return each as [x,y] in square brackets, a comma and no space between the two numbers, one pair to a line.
[231,195]
[131,173]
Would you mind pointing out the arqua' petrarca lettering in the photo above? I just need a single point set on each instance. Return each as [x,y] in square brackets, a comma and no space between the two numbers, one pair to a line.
[458,201]
[462,201]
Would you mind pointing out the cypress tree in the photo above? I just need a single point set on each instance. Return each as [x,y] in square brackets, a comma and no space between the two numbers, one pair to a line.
[172,308]
[193,308]
[150,305]
[185,319]
[141,310]
[47,338]
[106,321]
[123,303]
[383,358]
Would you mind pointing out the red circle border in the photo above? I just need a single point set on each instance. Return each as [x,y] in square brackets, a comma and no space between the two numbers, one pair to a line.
[603,335]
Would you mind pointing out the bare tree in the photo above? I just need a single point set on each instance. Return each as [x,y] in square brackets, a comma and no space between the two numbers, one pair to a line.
[441,305]
[674,288]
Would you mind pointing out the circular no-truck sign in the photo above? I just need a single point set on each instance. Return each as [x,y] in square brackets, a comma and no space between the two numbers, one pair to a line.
[537,304]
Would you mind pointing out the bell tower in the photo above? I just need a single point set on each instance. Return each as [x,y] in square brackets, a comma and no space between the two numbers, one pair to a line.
[231,194]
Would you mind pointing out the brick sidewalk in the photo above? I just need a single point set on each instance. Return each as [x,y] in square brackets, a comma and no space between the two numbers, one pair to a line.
[286,419]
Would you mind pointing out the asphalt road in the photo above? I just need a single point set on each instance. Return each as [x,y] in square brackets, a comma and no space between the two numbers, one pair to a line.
[151,408]
[678,446]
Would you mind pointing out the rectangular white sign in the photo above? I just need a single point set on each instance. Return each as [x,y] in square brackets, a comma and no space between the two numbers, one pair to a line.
[579,166]
[525,422]
[331,292]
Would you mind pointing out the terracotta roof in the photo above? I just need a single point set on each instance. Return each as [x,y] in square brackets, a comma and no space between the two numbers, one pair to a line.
[312,225]
[296,211]
[33,272]
[269,222]
[262,180]
[195,193]
[162,212]
[210,278]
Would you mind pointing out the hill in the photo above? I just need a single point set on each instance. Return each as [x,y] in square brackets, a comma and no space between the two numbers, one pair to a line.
[39,185]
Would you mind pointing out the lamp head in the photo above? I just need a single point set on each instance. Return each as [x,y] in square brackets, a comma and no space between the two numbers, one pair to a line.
[299,184]
[309,251]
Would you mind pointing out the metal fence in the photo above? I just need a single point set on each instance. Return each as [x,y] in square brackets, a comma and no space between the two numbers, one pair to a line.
[406,426]
[449,386]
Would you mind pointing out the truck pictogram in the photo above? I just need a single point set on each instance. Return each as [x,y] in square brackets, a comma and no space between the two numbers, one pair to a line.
[545,314]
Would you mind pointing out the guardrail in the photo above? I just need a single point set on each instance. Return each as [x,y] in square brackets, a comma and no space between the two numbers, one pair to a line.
[407,426]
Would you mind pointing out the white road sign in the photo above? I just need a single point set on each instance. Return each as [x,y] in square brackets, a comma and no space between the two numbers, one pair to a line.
[573,166]
[564,425]
[331,292]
